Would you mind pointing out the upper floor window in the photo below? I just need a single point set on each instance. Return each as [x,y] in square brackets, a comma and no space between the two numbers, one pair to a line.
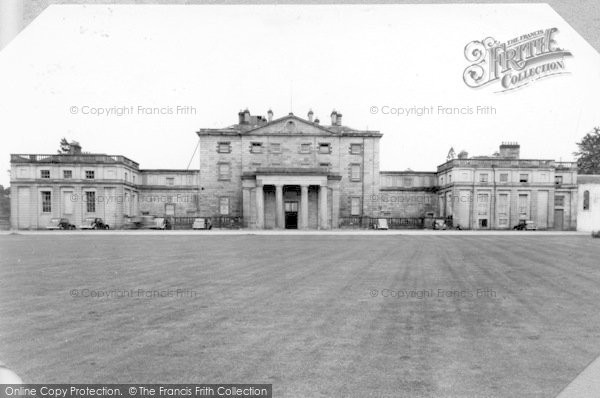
[483,177]
[90,175]
[586,200]
[324,148]
[126,176]
[305,148]
[408,182]
[67,174]
[133,178]
[558,180]
[224,147]
[46,201]
[524,178]
[170,180]
[504,177]
[275,147]
[355,172]
[256,147]
[44,173]
[325,164]
[224,171]
[355,149]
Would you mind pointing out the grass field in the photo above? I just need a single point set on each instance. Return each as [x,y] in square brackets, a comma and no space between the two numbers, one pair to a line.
[305,313]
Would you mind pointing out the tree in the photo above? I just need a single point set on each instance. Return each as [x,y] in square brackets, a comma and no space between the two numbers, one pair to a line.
[65,147]
[588,155]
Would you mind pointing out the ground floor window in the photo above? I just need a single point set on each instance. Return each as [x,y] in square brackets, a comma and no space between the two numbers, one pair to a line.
[170,209]
[559,200]
[90,202]
[224,206]
[523,206]
[46,201]
[355,206]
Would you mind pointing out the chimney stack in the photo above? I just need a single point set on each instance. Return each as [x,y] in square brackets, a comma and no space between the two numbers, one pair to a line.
[511,150]
[269,115]
[334,118]
[310,115]
[317,121]
[246,116]
[240,117]
[339,119]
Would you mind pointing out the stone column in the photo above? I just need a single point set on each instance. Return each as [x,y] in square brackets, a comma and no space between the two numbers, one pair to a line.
[260,207]
[279,215]
[303,206]
[323,207]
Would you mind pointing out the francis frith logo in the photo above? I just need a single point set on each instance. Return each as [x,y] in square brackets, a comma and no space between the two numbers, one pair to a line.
[516,62]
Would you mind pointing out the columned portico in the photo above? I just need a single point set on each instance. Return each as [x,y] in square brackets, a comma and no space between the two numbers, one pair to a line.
[323,217]
[260,206]
[280,220]
[303,206]
[289,200]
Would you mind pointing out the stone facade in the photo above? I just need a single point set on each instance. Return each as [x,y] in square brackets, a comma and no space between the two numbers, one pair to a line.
[289,172]
[294,172]
[498,192]
[588,204]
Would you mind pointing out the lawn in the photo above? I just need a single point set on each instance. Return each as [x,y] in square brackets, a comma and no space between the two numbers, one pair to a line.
[313,315]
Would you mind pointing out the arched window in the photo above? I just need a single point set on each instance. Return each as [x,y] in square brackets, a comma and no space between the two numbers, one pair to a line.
[586,200]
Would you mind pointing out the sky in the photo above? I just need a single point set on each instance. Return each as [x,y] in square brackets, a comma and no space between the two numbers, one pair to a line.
[212,61]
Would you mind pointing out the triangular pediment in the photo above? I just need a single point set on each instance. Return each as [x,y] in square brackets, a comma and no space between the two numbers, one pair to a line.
[290,125]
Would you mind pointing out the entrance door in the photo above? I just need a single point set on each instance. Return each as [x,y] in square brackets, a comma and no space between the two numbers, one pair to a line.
[291,215]
[559,217]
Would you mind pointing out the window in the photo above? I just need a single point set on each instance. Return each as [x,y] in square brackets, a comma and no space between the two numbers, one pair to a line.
[559,200]
[441,180]
[355,149]
[482,204]
[327,165]
[133,178]
[503,210]
[449,178]
[126,176]
[44,173]
[586,200]
[291,207]
[67,174]
[89,174]
[324,148]
[504,177]
[223,147]
[190,180]
[483,177]
[355,206]
[169,209]
[558,180]
[304,148]
[224,206]
[46,201]
[90,202]
[355,172]
[523,205]
[275,147]
[224,171]
[408,182]
[256,147]
[523,177]
[170,180]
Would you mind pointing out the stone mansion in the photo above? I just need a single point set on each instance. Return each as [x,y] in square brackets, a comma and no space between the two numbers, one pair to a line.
[293,172]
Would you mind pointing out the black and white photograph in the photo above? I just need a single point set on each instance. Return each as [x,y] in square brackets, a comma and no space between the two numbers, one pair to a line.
[299,199]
